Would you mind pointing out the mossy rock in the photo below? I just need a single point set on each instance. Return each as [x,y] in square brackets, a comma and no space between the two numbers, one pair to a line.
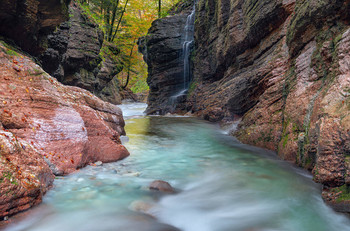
[309,18]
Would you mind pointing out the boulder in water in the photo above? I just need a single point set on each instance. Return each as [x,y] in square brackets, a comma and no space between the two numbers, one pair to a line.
[162,186]
[141,206]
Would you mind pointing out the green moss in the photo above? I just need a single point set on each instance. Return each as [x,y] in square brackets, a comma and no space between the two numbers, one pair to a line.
[8,175]
[252,8]
[11,52]
[338,38]
[192,87]
[344,193]
[285,125]
[285,140]
[36,72]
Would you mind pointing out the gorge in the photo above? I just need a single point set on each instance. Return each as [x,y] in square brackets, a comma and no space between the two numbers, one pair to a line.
[274,74]
[279,70]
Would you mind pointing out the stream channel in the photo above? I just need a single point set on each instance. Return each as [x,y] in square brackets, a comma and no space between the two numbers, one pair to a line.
[223,186]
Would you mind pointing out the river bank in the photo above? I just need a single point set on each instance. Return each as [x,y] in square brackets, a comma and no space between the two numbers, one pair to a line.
[223,185]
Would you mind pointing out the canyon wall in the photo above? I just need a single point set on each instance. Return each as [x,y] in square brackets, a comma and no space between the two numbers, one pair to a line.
[28,22]
[48,129]
[281,70]
[65,41]
[74,57]
[162,49]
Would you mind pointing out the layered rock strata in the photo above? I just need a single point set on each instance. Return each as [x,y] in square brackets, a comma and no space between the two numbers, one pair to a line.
[162,49]
[282,67]
[32,20]
[47,128]
[67,43]
[74,57]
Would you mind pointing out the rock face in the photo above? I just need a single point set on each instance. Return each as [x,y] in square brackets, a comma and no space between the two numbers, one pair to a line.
[65,40]
[282,66]
[24,175]
[48,128]
[31,19]
[74,57]
[162,50]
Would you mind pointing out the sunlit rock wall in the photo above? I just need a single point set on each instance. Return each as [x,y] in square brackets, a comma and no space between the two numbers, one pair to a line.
[47,128]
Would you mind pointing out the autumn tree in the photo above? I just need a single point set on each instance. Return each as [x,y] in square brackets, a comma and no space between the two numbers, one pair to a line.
[123,22]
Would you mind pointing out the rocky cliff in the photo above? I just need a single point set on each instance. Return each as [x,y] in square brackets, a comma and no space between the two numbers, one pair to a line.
[47,128]
[281,69]
[74,57]
[162,49]
[65,41]
[32,20]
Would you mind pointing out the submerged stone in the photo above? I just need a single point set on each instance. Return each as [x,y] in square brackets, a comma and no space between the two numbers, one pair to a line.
[162,186]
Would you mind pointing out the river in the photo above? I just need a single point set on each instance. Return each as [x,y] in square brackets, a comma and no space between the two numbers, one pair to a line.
[223,186]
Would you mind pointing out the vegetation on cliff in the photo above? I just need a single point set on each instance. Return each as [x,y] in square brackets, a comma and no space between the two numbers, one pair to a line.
[281,67]
[123,22]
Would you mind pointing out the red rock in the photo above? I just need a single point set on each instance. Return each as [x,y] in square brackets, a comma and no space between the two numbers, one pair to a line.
[67,127]
[161,186]
[24,175]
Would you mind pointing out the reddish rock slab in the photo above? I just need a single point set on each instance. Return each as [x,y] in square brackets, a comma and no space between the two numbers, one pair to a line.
[46,125]
[24,175]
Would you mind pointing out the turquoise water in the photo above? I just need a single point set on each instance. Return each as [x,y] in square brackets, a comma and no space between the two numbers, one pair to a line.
[222,185]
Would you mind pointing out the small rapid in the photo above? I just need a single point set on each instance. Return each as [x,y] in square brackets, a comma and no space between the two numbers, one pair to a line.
[222,186]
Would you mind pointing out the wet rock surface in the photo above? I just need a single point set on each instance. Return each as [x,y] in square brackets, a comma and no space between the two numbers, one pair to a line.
[25,176]
[162,186]
[162,50]
[282,68]
[48,128]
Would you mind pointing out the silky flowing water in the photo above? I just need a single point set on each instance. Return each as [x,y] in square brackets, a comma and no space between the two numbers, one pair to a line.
[222,185]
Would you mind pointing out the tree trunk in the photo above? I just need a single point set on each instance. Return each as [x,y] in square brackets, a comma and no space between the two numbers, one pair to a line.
[159,8]
[120,20]
[129,65]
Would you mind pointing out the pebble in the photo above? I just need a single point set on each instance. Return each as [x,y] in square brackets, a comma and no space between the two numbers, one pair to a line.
[141,206]
[132,174]
[98,163]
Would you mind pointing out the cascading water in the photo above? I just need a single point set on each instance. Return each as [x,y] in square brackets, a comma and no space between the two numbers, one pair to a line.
[186,52]
[187,45]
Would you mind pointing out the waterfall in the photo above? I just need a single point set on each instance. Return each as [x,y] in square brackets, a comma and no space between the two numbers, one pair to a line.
[186,50]
[186,53]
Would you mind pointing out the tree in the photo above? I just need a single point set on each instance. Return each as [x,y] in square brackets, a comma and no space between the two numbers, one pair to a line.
[123,22]
[159,8]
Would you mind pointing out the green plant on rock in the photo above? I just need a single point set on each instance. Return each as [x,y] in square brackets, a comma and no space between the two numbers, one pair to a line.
[192,87]
[343,191]
[11,52]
